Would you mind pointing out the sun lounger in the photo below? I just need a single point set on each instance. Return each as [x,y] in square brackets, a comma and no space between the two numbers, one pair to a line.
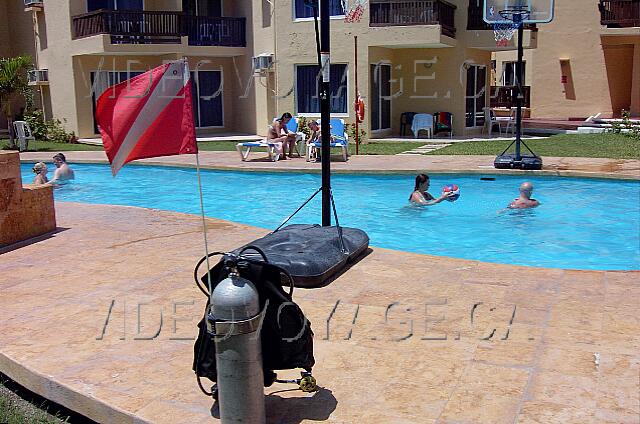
[273,149]
[339,140]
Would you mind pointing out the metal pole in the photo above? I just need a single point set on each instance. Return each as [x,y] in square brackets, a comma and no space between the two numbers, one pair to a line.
[355,71]
[519,83]
[325,112]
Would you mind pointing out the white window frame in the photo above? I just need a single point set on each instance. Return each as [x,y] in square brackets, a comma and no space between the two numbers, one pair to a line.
[295,92]
[486,95]
[86,5]
[310,19]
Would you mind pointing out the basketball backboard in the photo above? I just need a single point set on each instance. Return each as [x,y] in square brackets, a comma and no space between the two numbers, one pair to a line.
[532,11]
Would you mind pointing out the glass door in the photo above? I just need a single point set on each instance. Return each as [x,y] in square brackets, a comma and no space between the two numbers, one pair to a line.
[380,89]
[476,95]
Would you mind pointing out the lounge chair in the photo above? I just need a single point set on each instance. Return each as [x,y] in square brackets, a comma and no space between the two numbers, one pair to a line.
[273,149]
[339,140]
[292,126]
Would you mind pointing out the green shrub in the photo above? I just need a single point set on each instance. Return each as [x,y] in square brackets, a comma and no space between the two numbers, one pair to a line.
[47,130]
[351,130]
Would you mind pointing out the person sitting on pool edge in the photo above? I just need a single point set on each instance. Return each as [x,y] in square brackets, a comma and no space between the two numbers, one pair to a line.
[40,169]
[63,172]
[525,200]
[421,196]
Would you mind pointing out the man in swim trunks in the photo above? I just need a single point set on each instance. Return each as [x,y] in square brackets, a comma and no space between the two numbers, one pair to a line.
[63,171]
[524,201]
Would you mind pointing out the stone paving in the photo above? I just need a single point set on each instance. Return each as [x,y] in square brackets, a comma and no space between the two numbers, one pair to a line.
[414,338]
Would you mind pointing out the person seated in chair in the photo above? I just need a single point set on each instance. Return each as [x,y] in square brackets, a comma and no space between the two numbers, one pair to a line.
[421,196]
[280,134]
[524,201]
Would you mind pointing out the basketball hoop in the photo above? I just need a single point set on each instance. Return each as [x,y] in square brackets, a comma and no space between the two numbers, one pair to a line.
[355,12]
[503,32]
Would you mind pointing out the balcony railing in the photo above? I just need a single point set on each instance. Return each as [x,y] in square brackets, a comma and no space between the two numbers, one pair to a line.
[158,27]
[422,12]
[212,31]
[619,13]
[505,96]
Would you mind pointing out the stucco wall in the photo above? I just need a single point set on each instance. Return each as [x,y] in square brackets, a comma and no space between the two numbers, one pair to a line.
[25,212]
[400,46]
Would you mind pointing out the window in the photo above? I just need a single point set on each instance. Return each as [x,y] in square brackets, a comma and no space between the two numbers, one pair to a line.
[302,10]
[308,79]
[101,81]
[206,92]
[509,73]
[114,5]
[202,7]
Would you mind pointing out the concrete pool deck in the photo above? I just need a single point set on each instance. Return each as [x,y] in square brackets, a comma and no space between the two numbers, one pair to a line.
[414,338]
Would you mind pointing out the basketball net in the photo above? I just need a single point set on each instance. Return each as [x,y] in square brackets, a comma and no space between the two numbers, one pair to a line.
[503,32]
[353,12]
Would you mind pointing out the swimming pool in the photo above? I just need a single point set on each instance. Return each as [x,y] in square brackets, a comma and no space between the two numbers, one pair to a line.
[582,223]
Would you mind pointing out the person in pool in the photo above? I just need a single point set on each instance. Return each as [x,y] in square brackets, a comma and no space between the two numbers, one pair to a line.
[63,171]
[524,201]
[421,196]
[40,169]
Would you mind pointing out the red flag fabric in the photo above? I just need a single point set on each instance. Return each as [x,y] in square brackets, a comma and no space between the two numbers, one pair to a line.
[148,115]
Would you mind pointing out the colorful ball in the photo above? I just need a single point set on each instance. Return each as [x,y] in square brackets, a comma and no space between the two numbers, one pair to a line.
[451,188]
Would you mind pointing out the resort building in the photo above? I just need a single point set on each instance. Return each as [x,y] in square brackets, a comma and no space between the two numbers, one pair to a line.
[587,61]
[257,59]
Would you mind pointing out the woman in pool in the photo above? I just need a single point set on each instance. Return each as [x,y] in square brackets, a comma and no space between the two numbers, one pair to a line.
[421,196]
[40,169]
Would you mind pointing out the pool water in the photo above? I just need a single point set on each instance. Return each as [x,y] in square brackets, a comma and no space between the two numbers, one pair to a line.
[581,223]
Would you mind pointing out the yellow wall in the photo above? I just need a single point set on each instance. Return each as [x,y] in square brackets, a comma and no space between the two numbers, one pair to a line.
[598,62]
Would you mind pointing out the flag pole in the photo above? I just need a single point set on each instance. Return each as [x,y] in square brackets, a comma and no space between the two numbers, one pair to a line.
[187,75]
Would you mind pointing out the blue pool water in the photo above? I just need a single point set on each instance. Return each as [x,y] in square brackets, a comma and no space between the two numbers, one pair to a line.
[581,224]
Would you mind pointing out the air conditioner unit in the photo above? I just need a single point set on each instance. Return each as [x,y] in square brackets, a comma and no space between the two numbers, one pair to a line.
[263,62]
[38,77]
[34,3]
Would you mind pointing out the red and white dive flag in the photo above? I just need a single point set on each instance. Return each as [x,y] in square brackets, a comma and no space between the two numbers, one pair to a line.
[147,116]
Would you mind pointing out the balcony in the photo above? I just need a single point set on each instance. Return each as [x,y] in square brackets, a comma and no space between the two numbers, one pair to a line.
[505,96]
[212,31]
[425,12]
[160,27]
[619,13]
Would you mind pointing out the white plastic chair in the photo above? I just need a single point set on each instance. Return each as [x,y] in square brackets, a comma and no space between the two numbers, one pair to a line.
[23,134]
[422,122]
[512,121]
[490,120]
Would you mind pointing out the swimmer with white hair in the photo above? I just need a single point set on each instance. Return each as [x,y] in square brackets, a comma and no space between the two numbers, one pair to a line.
[524,201]
[40,169]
